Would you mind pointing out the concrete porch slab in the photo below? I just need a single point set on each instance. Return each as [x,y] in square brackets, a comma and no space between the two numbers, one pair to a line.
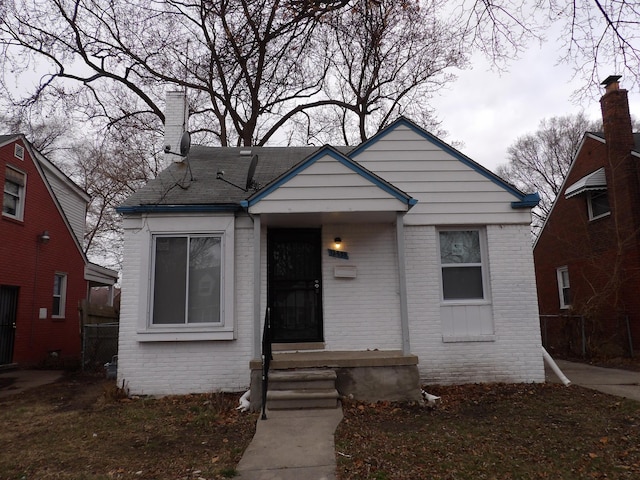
[338,359]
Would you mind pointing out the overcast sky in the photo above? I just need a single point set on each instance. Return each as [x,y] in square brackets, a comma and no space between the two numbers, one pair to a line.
[488,112]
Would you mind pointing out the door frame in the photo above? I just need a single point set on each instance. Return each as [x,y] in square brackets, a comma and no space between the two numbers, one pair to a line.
[8,319]
[313,236]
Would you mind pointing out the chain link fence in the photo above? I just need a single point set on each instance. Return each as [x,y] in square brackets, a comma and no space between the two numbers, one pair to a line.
[99,345]
[580,336]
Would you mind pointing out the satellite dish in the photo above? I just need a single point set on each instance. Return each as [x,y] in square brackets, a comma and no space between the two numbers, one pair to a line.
[185,144]
[251,172]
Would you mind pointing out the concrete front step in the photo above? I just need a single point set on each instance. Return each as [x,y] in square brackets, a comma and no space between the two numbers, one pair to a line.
[302,398]
[296,389]
[302,379]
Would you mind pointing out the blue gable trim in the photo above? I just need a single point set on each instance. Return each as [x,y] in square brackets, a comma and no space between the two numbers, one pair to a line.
[525,200]
[347,162]
[178,208]
[529,201]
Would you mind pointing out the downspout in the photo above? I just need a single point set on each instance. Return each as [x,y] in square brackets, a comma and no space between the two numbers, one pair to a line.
[555,368]
[402,280]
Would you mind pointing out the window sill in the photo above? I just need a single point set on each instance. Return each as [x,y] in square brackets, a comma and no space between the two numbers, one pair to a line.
[184,336]
[12,219]
[471,338]
[453,303]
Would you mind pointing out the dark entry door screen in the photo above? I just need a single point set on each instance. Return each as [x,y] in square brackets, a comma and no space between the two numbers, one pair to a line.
[294,289]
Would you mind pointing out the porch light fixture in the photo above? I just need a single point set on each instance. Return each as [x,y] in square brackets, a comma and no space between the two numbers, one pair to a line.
[44,237]
[337,242]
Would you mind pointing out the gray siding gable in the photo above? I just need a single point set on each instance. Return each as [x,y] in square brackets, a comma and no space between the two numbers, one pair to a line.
[523,200]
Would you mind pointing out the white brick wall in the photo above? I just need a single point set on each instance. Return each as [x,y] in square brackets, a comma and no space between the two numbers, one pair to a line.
[362,313]
[158,368]
[515,354]
[175,122]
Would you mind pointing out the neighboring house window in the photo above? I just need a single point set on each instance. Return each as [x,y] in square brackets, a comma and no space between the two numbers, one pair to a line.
[18,151]
[187,279]
[564,287]
[598,203]
[13,199]
[59,294]
[461,261]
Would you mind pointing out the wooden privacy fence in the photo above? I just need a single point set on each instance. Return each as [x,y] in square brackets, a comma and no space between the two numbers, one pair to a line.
[100,326]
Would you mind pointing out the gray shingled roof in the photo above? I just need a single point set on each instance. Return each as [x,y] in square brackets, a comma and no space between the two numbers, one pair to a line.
[636,139]
[4,138]
[195,182]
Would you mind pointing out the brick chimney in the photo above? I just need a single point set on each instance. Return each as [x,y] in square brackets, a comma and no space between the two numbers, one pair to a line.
[621,169]
[176,119]
[616,118]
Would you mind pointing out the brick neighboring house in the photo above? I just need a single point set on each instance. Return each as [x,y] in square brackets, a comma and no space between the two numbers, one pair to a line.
[397,260]
[587,256]
[44,273]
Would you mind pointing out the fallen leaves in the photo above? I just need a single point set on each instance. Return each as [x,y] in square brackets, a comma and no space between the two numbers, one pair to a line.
[499,431]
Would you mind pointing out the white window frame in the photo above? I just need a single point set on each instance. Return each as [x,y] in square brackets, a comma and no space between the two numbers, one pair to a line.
[18,151]
[61,295]
[20,196]
[151,226]
[561,286]
[189,238]
[590,205]
[483,264]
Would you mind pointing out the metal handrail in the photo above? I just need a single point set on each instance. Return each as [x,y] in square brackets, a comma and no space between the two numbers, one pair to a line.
[267,356]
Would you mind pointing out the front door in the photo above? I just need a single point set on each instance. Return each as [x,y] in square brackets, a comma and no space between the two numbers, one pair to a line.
[294,288]
[8,311]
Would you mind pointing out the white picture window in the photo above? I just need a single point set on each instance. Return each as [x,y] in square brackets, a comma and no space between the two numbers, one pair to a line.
[564,287]
[59,295]
[13,199]
[461,261]
[598,204]
[187,280]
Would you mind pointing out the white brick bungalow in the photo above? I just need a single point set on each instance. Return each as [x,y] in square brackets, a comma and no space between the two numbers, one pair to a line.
[434,265]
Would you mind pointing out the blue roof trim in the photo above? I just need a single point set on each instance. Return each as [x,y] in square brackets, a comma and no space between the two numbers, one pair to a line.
[529,201]
[347,162]
[402,121]
[229,207]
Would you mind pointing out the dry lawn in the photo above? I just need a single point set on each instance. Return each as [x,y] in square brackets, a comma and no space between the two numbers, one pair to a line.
[82,428]
[493,432]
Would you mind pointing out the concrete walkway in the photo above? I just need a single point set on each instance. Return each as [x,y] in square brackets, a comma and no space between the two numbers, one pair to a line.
[621,383]
[20,380]
[292,445]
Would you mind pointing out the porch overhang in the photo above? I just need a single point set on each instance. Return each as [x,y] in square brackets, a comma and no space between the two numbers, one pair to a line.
[99,276]
[329,184]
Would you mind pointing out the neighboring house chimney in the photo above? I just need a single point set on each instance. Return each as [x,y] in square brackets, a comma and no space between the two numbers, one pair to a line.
[622,171]
[616,118]
[176,118]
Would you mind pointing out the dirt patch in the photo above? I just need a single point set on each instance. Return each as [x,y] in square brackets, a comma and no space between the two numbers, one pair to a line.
[6,383]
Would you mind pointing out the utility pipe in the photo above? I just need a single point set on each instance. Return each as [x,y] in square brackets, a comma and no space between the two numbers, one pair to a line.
[555,368]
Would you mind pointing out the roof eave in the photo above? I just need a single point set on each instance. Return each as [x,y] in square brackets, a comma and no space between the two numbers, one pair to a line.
[196,208]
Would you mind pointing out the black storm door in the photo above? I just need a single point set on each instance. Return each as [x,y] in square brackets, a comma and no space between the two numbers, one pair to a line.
[8,311]
[294,288]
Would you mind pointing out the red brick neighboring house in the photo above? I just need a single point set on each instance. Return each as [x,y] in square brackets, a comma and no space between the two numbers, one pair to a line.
[44,273]
[587,257]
